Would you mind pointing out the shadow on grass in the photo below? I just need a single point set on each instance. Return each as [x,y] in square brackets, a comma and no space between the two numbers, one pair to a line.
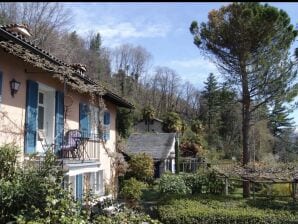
[273,204]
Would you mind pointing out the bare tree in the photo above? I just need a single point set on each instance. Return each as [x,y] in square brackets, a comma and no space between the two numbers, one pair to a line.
[43,18]
[133,60]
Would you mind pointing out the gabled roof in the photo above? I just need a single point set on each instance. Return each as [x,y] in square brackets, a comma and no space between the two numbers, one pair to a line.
[22,48]
[157,145]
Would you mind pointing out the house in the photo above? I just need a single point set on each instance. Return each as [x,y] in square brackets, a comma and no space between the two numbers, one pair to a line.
[161,146]
[42,99]
[154,125]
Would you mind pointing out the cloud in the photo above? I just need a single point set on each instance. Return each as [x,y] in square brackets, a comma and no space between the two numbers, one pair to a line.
[194,63]
[127,30]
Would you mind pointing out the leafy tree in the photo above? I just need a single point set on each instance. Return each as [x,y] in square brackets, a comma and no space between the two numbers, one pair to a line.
[172,122]
[148,114]
[250,42]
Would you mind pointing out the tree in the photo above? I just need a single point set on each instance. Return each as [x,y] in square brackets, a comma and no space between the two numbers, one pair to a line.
[43,18]
[172,122]
[212,117]
[250,42]
[95,43]
[148,115]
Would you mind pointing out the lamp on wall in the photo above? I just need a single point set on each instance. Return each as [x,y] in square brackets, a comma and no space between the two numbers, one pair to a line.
[14,86]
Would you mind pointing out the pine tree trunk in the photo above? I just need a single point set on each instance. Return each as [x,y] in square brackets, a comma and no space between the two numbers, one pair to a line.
[245,128]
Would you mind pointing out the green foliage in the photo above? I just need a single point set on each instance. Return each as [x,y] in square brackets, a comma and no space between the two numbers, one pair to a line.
[126,217]
[191,183]
[8,161]
[148,113]
[172,122]
[132,189]
[250,42]
[189,211]
[277,189]
[34,194]
[95,43]
[141,167]
[173,184]
[124,122]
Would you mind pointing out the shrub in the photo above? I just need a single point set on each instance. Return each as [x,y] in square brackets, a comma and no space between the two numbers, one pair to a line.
[127,216]
[186,211]
[195,182]
[200,183]
[141,167]
[277,189]
[8,160]
[173,184]
[34,195]
[132,189]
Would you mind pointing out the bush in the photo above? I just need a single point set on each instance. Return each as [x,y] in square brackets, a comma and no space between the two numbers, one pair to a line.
[141,167]
[203,183]
[132,189]
[277,189]
[173,184]
[186,211]
[128,216]
[34,195]
[8,160]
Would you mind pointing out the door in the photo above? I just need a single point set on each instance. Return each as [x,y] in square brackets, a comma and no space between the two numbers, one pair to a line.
[45,117]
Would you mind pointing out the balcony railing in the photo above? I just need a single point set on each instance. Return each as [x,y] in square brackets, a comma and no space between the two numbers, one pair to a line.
[80,147]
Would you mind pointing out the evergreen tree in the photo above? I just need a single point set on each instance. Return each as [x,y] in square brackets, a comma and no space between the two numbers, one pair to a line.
[212,114]
[250,42]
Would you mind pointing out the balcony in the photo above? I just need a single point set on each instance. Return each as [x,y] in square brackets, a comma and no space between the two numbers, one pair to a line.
[79,146]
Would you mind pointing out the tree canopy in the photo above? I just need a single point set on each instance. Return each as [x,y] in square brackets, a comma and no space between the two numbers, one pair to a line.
[250,42]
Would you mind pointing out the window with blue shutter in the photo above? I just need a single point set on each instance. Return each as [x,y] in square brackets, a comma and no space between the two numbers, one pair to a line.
[59,119]
[79,187]
[106,124]
[31,116]
[85,126]
[0,88]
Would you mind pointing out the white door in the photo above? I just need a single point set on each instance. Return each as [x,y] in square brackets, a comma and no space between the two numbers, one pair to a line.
[45,117]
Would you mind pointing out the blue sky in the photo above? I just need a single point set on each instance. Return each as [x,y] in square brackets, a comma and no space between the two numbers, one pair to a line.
[161,28]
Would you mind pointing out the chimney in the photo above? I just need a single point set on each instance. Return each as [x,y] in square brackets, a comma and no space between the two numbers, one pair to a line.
[80,68]
[19,29]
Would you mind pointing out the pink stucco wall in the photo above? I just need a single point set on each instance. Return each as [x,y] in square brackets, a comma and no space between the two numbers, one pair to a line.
[12,109]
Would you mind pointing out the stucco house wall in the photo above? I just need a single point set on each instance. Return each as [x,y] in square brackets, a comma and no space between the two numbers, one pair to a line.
[95,167]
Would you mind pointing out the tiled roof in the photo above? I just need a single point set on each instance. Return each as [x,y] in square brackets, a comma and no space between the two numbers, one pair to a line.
[13,41]
[158,145]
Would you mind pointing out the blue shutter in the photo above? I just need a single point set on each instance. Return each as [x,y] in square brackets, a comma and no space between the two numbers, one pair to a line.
[1,87]
[106,122]
[31,116]
[79,187]
[59,119]
[85,126]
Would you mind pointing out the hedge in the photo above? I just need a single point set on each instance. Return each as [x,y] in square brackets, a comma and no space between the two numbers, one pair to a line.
[187,211]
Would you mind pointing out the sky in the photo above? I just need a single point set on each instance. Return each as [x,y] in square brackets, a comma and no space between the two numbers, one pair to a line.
[161,28]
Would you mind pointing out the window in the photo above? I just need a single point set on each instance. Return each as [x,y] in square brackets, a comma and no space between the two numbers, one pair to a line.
[96,182]
[106,125]
[41,111]
[94,122]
